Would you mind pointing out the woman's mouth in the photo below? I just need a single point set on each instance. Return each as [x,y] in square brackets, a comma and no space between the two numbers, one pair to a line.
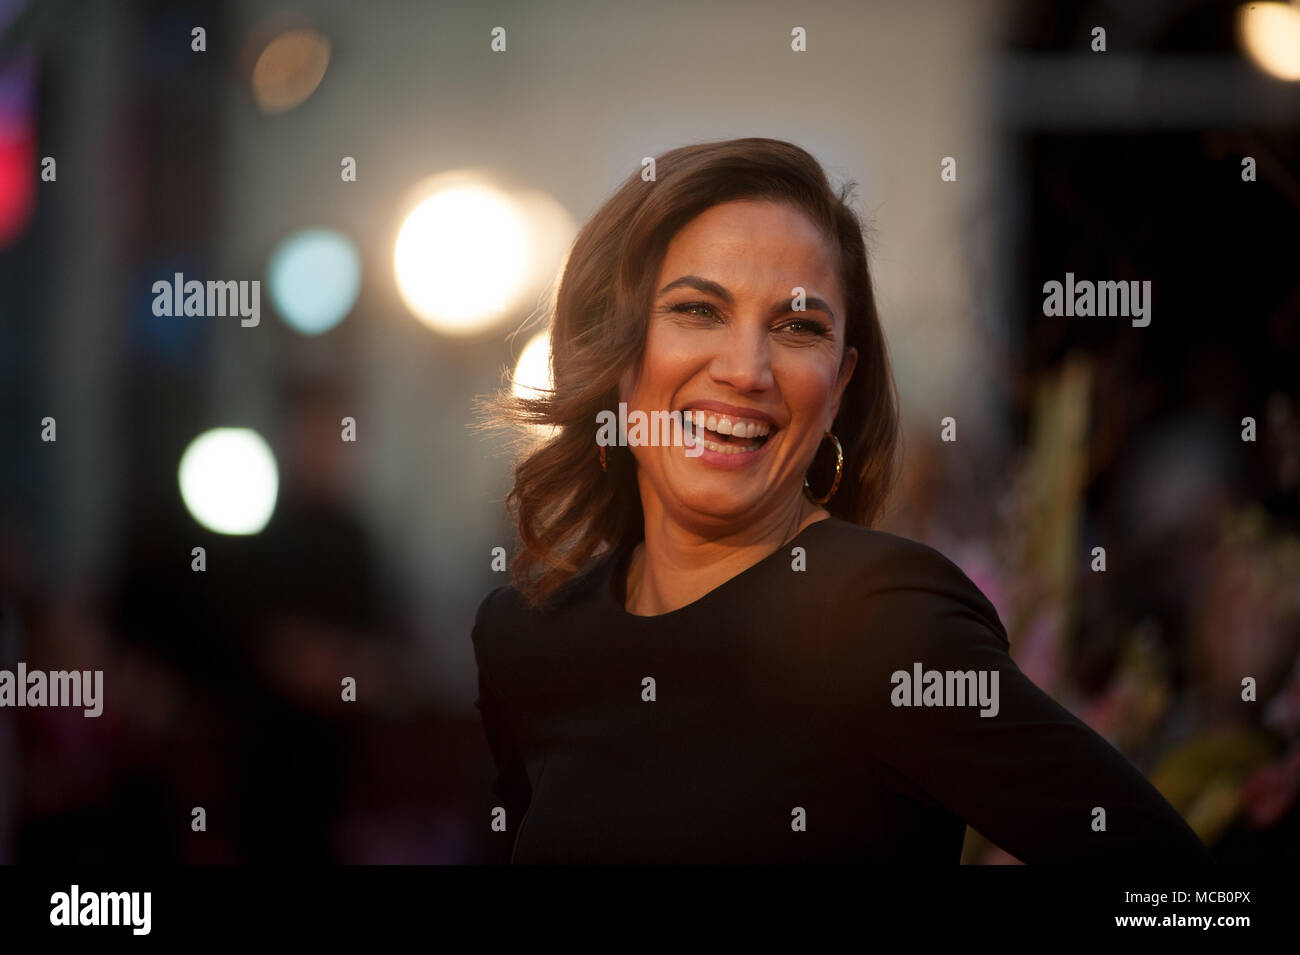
[725,434]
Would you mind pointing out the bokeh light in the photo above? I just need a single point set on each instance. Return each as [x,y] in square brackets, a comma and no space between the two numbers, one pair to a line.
[1270,34]
[533,373]
[229,480]
[533,369]
[462,257]
[18,164]
[314,277]
[289,58]
[551,228]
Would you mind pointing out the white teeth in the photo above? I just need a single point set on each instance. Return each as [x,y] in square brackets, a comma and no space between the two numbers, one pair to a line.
[737,428]
[722,448]
[728,448]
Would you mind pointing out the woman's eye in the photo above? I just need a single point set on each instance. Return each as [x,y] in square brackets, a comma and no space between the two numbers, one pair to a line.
[702,309]
[803,326]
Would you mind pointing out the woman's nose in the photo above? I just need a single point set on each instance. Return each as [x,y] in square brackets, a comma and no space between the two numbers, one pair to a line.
[743,360]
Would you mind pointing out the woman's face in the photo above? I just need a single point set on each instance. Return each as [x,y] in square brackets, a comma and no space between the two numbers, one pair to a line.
[723,330]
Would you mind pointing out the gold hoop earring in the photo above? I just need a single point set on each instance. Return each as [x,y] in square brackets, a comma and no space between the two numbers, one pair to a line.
[839,471]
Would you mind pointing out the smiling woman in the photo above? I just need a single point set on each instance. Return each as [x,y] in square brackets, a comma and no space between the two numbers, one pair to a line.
[699,657]
[676,293]
[731,341]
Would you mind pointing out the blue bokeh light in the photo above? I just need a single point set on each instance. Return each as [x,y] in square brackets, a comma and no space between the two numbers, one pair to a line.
[314,277]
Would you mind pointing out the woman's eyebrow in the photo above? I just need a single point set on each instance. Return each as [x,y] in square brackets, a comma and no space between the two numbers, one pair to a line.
[703,285]
[810,302]
[713,288]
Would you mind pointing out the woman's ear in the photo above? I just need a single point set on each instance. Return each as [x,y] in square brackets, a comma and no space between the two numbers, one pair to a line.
[846,374]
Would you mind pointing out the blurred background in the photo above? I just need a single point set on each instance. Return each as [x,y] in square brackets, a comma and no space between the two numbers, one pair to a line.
[367,163]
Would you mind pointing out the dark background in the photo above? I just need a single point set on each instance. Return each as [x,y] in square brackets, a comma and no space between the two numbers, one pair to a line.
[222,687]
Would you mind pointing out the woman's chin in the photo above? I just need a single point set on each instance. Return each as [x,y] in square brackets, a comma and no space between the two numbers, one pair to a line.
[706,497]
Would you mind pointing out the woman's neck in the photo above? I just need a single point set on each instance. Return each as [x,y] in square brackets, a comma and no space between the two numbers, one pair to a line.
[673,566]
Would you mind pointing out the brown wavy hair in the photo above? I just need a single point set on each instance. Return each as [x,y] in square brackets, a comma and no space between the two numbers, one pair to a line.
[565,509]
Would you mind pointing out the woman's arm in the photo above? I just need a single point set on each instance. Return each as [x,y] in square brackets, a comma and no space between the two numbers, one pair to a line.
[1029,776]
[511,783]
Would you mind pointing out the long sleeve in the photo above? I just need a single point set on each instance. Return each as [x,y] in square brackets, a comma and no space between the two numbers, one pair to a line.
[1031,776]
[510,784]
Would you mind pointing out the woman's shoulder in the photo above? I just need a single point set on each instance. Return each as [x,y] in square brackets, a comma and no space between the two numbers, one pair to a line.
[864,570]
[505,610]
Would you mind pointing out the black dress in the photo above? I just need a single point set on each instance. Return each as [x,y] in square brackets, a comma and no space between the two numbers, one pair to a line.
[769,721]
